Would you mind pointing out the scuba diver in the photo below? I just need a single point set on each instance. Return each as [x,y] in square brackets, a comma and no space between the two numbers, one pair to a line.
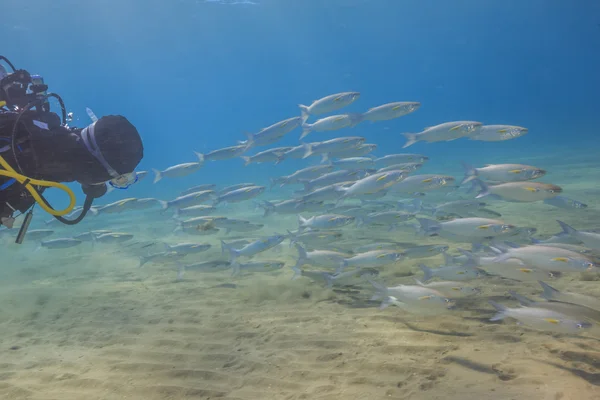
[38,150]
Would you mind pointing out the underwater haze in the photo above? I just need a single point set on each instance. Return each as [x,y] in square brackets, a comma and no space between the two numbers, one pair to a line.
[457,258]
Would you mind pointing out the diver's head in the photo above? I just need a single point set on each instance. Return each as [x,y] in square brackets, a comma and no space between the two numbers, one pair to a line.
[116,145]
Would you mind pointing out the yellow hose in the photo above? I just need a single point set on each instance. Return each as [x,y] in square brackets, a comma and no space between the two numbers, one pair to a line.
[11,173]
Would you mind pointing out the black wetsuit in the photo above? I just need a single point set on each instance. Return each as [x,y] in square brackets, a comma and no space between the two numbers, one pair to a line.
[45,150]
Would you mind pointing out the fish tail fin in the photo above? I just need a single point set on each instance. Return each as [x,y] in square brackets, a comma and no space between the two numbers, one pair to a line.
[472,260]
[249,141]
[418,282]
[566,229]
[387,301]
[302,256]
[303,112]
[448,259]
[549,292]
[427,272]
[164,205]
[302,222]
[246,160]
[306,130]
[280,158]
[157,175]
[308,150]
[328,279]
[360,221]
[501,311]
[143,260]
[470,173]
[297,273]
[428,226]
[524,301]
[485,189]
[411,138]
[343,265]
[268,207]
[355,119]
[233,253]
[200,157]
[325,158]
[273,183]
[94,210]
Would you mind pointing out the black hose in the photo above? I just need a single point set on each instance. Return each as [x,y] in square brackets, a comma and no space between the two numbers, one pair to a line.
[87,204]
[8,62]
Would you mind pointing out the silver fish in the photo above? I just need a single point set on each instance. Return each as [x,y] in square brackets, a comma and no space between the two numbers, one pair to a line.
[226,153]
[450,273]
[422,183]
[333,178]
[552,294]
[391,110]
[162,257]
[307,173]
[443,132]
[238,195]
[234,187]
[187,248]
[188,200]
[273,133]
[549,258]
[373,258]
[327,221]
[358,151]
[179,170]
[467,227]
[333,145]
[328,104]
[520,191]
[395,159]
[589,239]
[565,202]
[194,211]
[253,248]
[113,237]
[319,258]
[407,167]
[39,234]
[371,184]
[497,133]
[331,123]
[62,243]
[271,155]
[502,173]
[199,188]
[352,163]
[540,319]
[314,238]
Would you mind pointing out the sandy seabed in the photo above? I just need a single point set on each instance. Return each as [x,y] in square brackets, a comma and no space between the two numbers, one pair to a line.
[92,325]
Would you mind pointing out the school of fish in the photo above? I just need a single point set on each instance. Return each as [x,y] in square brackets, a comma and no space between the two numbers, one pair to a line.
[347,207]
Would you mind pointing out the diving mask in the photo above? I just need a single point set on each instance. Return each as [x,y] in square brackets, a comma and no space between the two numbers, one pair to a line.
[119,181]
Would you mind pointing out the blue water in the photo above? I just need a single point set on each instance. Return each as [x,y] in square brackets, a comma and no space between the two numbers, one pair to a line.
[192,75]
[196,75]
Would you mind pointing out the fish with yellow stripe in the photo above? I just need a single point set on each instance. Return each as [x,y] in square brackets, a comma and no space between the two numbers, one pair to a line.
[372,184]
[242,194]
[498,133]
[503,173]
[445,132]
[541,319]
[519,191]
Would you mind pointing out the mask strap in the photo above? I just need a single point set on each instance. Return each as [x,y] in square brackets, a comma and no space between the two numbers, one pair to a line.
[87,134]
